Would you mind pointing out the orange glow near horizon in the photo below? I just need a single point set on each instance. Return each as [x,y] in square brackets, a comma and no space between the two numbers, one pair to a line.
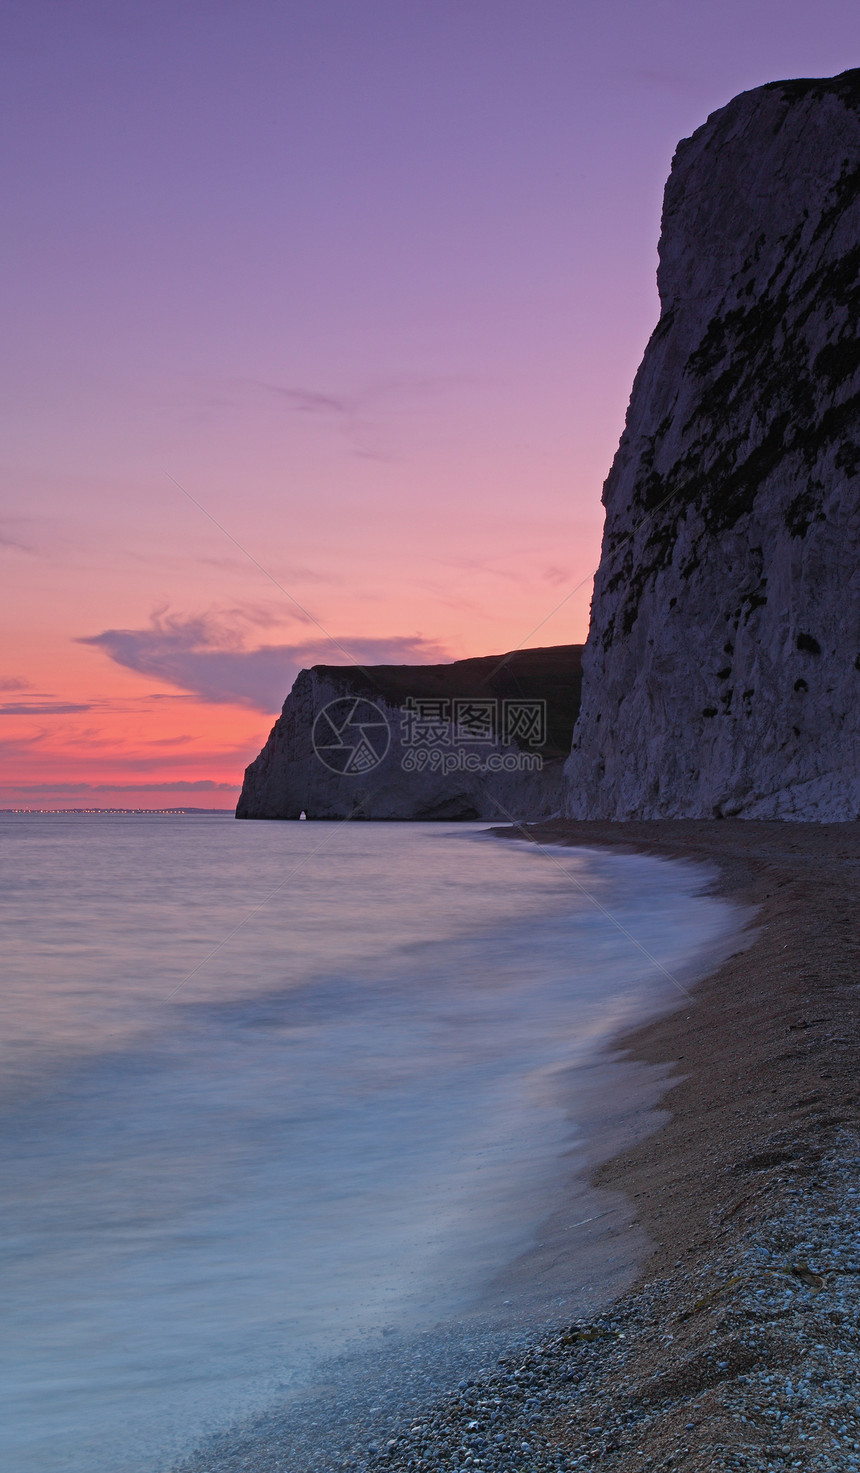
[80,727]
[371,283]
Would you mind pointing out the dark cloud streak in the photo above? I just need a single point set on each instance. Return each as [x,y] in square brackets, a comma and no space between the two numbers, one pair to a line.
[14,543]
[57,708]
[176,785]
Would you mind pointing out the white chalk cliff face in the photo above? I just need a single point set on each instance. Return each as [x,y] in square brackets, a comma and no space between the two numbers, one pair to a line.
[722,670]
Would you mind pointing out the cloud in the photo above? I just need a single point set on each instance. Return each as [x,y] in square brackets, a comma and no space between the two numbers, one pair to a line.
[10,535]
[46,708]
[399,389]
[12,684]
[557,575]
[179,785]
[205,655]
[199,656]
[289,573]
[366,417]
[310,401]
[14,544]
[22,745]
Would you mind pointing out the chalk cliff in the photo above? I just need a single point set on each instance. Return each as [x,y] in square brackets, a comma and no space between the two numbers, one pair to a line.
[722,670]
[477,739]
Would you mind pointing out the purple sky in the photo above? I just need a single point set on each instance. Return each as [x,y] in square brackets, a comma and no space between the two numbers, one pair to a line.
[371,280]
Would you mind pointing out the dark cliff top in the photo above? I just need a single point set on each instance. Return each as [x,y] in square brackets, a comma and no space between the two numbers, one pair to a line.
[552,674]
[846,86]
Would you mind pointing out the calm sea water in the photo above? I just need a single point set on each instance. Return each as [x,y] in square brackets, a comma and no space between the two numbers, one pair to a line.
[221,1165]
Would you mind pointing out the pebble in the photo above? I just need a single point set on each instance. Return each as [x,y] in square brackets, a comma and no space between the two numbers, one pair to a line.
[643,1386]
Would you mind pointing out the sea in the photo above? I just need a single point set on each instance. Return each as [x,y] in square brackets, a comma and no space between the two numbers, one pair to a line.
[277,1096]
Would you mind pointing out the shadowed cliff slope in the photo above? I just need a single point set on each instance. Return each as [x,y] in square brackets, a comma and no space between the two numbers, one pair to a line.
[722,670]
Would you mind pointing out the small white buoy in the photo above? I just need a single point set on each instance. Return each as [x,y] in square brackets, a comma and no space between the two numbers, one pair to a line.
[303,814]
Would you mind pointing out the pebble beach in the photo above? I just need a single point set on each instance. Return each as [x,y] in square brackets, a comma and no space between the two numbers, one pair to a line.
[736,1346]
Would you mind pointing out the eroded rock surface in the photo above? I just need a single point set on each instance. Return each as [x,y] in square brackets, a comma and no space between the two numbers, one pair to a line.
[423,759]
[722,670]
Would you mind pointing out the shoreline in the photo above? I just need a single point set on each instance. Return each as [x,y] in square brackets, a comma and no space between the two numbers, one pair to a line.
[769,1102]
[741,1190]
[735,1347]
[330,1417]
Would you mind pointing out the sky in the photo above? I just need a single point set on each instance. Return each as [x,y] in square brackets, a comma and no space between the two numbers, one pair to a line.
[320,324]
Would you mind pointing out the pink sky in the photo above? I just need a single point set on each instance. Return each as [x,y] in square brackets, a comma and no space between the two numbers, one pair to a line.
[371,282]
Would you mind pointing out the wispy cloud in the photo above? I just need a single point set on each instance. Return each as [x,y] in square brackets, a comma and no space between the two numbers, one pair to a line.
[11,538]
[12,683]
[398,389]
[42,708]
[311,401]
[291,573]
[205,655]
[22,744]
[178,785]
[365,416]
[556,575]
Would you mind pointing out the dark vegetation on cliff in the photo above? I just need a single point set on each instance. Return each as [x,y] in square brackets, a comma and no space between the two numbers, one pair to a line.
[763,390]
[552,674]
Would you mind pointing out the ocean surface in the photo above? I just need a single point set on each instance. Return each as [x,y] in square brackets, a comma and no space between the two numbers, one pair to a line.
[273,1091]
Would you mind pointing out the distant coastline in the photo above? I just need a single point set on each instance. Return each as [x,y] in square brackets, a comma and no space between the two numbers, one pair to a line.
[44,811]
